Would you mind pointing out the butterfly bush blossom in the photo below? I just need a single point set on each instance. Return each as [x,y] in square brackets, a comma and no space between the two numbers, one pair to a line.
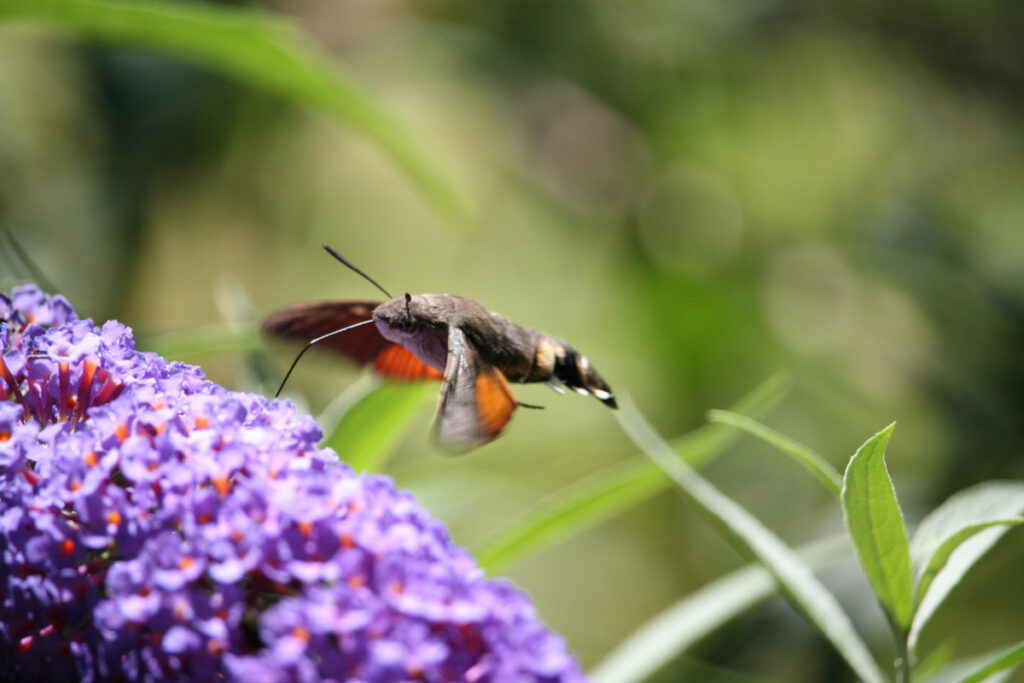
[154,525]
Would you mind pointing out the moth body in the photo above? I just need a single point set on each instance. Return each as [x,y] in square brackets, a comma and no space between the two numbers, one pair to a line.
[475,353]
[421,323]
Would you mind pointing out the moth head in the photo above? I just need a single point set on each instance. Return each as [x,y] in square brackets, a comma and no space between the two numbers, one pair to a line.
[404,314]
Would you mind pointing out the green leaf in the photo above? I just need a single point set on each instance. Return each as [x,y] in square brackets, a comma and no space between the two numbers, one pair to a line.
[815,464]
[940,554]
[255,47]
[938,660]
[963,515]
[875,523]
[956,535]
[370,430]
[696,616]
[990,667]
[1001,661]
[750,537]
[614,489]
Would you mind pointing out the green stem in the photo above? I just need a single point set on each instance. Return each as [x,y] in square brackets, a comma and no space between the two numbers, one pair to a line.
[903,663]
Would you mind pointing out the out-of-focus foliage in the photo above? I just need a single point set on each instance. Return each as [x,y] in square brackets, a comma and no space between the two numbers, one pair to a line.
[247,46]
[746,533]
[901,572]
[695,194]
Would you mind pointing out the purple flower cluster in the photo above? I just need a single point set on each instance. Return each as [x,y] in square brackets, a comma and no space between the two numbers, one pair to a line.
[155,526]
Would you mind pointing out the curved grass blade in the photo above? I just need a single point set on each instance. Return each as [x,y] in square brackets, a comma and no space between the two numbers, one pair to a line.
[27,262]
[371,428]
[815,464]
[616,488]
[875,523]
[581,505]
[988,501]
[696,616]
[255,47]
[750,537]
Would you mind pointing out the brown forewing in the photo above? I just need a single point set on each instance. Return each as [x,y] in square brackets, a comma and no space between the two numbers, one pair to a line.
[306,321]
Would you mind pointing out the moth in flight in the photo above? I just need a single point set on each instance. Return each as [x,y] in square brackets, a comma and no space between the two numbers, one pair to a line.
[474,352]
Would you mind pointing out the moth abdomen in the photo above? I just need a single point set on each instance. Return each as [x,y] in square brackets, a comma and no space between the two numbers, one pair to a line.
[574,370]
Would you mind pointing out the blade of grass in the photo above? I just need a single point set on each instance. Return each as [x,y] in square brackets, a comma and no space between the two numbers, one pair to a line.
[26,260]
[698,615]
[579,506]
[255,47]
[614,489]
[752,539]
[817,465]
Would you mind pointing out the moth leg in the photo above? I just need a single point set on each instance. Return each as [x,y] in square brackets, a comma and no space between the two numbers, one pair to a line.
[556,385]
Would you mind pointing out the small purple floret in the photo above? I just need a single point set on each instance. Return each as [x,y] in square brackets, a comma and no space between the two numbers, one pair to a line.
[155,526]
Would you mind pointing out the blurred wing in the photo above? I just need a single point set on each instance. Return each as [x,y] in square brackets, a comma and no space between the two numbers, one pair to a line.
[398,362]
[306,321]
[476,402]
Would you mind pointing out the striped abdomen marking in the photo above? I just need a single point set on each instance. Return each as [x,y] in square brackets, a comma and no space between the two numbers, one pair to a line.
[556,359]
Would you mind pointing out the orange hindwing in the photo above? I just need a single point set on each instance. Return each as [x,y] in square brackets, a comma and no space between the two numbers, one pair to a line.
[397,362]
[495,402]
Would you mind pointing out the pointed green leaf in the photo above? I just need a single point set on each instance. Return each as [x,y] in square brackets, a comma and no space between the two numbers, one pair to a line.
[1001,661]
[256,47]
[992,667]
[969,521]
[614,489]
[372,427]
[875,523]
[926,571]
[696,616]
[749,536]
[815,464]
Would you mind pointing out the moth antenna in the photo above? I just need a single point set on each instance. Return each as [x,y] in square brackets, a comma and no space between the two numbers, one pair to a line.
[351,265]
[314,341]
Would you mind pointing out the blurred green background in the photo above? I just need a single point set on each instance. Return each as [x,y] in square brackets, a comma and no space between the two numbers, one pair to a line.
[695,194]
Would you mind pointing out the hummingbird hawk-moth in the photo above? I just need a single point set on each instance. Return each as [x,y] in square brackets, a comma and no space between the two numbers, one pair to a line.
[474,352]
